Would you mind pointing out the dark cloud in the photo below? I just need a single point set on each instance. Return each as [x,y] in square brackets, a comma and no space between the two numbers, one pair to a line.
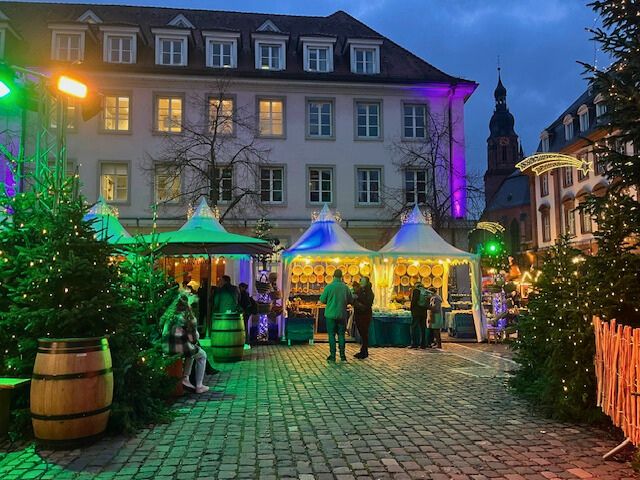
[538,41]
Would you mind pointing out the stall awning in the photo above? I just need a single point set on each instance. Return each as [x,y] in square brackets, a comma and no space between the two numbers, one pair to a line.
[106,224]
[203,234]
[324,238]
[416,238]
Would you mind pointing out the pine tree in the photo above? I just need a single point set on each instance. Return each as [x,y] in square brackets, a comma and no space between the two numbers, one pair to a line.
[615,268]
[555,345]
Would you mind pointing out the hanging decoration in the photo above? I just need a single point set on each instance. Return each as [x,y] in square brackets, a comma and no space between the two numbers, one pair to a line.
[544,162]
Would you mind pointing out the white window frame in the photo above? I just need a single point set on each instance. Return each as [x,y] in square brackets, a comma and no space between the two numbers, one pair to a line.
[103,120]
[271,180]
[310,43]
[156,105]
[413,126]
[568,127]
[332,119]
[228,126]
[115,163]
[545,214]
[367,103]
[368,191]
[171,35]
[73,108]
[544,184]
[157,172]
[321,169]
[583,118]
[212,38]
[222,169]
[414,190]
[80,32]
[270,134]
[601,109]
[361,44]
[270,40]
[544,142]
[109,33]
[569,218]
[567,177]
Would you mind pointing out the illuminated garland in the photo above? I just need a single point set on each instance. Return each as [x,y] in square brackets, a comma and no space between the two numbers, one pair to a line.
[544,162]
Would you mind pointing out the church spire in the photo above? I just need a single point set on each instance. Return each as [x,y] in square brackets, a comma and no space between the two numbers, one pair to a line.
[500,94]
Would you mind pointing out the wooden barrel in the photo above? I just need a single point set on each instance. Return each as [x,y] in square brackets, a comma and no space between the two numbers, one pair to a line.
[227,337]
[71,389]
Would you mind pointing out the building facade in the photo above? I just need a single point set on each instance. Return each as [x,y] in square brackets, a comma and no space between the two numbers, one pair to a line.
[328,98]
[557,194]
[506,188]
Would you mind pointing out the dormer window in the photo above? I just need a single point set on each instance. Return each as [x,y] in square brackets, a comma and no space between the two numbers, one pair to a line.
[181,21]
[171,47]
[544,141]
[568,127]
[119,44]
[270,51]
[583,117]
[601,106]
[67,43]
[89,17]
[222,49]
[318,54]
[365,56]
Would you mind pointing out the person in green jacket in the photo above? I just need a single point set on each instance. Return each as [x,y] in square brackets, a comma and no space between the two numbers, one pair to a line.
[336,296]
[226,296]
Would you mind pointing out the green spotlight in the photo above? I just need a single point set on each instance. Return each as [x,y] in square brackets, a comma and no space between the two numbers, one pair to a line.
[4,89]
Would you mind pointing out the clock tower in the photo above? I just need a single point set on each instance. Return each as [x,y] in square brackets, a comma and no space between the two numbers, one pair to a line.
[503,145]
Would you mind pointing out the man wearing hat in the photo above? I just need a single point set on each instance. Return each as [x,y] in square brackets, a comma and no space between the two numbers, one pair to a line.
[336,296]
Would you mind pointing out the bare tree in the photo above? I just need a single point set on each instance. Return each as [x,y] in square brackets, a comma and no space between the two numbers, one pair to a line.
[428,161]
[217,154]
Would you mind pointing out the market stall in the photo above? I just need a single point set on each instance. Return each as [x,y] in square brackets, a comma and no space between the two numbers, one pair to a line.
[309,264]
[418,253]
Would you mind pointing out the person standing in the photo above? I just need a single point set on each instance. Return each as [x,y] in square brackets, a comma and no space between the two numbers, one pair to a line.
[419,307]
[435,320]
[226,296]
[249,307]
[336,296]
[363,311]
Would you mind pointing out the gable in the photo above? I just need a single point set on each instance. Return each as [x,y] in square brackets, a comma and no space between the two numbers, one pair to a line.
[181,21]
[268,26]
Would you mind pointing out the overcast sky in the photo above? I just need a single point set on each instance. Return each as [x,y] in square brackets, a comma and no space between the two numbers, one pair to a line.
[538,41]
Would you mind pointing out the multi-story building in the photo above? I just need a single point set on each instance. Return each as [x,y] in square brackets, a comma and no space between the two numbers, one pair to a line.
[506,188]
[330,98]
[557,194]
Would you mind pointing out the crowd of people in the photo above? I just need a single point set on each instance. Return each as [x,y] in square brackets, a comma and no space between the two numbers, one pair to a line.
[426,312]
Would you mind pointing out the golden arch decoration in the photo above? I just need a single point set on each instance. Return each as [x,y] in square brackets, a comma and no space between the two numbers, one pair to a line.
[492,227]
[544,162]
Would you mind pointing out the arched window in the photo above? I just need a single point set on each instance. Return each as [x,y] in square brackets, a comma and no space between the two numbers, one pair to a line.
[601,106]
[568,127]
[544,141]
[583,117]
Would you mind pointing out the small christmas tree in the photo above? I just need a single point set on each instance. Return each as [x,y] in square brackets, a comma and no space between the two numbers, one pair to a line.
[555,345]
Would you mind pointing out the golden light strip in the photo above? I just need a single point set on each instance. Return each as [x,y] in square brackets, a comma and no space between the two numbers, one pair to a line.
[544,162]
[492,227]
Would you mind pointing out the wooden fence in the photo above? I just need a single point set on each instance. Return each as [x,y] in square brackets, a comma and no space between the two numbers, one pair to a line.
[617,365]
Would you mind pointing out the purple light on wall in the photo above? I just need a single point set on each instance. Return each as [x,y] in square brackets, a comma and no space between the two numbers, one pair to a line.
[455,95]
[7,178]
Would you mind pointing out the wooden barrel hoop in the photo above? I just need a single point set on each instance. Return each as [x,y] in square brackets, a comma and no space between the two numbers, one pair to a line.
[71,389]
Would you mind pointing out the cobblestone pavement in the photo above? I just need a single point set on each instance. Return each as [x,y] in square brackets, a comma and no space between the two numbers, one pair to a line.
[401,414]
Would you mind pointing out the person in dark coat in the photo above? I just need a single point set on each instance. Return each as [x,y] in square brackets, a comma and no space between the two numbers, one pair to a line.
[226,296]
[419,306]
[249,307]
[363,311]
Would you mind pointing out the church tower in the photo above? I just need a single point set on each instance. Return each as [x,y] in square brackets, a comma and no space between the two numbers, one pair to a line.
[503,146]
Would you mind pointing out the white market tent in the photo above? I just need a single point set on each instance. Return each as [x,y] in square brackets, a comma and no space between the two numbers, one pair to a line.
[105,223]
[417,240]
[324,238]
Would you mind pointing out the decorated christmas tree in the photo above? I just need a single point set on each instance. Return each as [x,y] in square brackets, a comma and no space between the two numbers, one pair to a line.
[555,345]
[615,268]
[57,280]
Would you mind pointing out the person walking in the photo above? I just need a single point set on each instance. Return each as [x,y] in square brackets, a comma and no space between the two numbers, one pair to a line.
[419,307]
[435,320]
[336,296]
[363,311]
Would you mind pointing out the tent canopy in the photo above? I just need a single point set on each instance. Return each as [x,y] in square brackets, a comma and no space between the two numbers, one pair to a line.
[416,238]
[325,237]
[203,234]
[106,224]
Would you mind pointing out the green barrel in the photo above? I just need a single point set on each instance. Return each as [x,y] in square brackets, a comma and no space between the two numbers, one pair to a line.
[227,337]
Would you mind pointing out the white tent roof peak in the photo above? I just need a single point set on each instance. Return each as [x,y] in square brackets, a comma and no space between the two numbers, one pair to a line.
[203,218]
[415,217]
[326,215]
[101,207]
